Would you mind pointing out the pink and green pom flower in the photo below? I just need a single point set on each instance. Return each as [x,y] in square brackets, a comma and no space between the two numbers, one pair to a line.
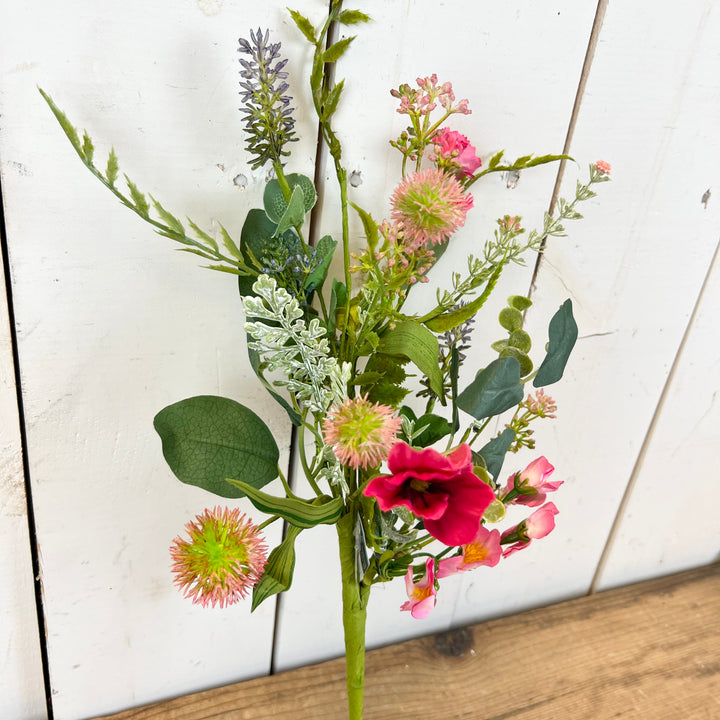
[361,433]
[223,559]
[431,205]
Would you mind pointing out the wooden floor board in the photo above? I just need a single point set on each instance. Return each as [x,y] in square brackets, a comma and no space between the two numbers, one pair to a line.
[650,650]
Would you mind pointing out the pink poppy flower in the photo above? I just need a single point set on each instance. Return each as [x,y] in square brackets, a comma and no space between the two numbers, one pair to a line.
[529,487]
[483,550]
[441,489]
[454,146]
[422,594]
[536,526]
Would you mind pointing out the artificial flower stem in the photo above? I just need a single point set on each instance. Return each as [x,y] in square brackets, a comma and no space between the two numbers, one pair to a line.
[354,602]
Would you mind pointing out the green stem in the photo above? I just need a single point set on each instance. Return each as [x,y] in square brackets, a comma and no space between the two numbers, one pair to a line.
[354,601]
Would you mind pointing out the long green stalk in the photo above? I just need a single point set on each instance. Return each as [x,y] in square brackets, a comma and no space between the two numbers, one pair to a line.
[354,603]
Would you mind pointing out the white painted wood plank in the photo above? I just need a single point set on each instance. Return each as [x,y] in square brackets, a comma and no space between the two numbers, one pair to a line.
[22,690]
[634,271]
[518,64]
[113,325]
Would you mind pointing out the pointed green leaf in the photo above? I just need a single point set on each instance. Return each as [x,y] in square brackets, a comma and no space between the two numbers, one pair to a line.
[111,172]
[563,332]
[495,389]
[87,147]
[493,453]
[415,342]
[294,214]
[433,428]
[324,250]
[331,99]
[304,25]
[207,439]
[168,218]
[65,124]
[138,198]
[279,569]
[298,512]
[353,17]
[337,50]
[369,225]
[207,239]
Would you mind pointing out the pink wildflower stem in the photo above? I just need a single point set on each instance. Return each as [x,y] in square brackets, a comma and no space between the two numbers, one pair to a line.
[354,600]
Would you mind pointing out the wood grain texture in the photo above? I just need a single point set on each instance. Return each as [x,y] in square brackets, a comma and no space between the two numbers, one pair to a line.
[645,651]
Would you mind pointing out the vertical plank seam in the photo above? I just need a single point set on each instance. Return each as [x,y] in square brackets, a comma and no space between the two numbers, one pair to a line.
[321,155]
[642,454]
[582,83]
[32,534]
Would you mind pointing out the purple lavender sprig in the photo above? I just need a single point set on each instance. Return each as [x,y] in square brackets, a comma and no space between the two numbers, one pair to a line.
[268,116]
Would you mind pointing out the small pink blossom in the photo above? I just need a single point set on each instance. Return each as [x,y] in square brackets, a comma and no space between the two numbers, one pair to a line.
[536,526]
[530,487]
[454,147]
[223,559]
[541,404]
[361,433]
[602,167]
[483,550]
[421,594]
[431,205]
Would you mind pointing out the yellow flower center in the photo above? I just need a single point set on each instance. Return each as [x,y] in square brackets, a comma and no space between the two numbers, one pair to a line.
[419,485]
[474,552]
[420,594]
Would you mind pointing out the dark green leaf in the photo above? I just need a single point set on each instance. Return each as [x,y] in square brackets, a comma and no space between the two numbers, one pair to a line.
[495,389]
[207,439]
[435,428]
[563,332]
[494,452]
[526,364]
[294,214]
[298,512]
[279,569]
[324,250]
[415,342]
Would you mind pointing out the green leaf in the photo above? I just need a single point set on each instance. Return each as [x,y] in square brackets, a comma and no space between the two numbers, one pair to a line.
[324,250]
[369,225]
[207,239]
[65,124]
[338,299]
[87,147]
[495,389]
[435,428]
[294,214]
[336,51]
[519,302]
[510,318]
[494,452]
[256,231]
[304,25]
[526,364]
[170,220]
[207,439]
[450,320]
[279,569]
[415,342]
[138,198]
[563,332]
[298,512]
[274,200]
[495,159]
[330,100]
[353,17]
[229,243]
[111,172]
[521,340]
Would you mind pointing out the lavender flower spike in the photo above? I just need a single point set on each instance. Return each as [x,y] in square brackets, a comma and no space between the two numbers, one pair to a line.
[268,116]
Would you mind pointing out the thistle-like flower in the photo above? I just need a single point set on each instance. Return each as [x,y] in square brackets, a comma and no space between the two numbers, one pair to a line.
[268,122]
[431,205]
[361,433]
[223,559]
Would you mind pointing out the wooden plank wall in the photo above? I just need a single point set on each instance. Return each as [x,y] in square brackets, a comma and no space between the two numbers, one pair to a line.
[111,325]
